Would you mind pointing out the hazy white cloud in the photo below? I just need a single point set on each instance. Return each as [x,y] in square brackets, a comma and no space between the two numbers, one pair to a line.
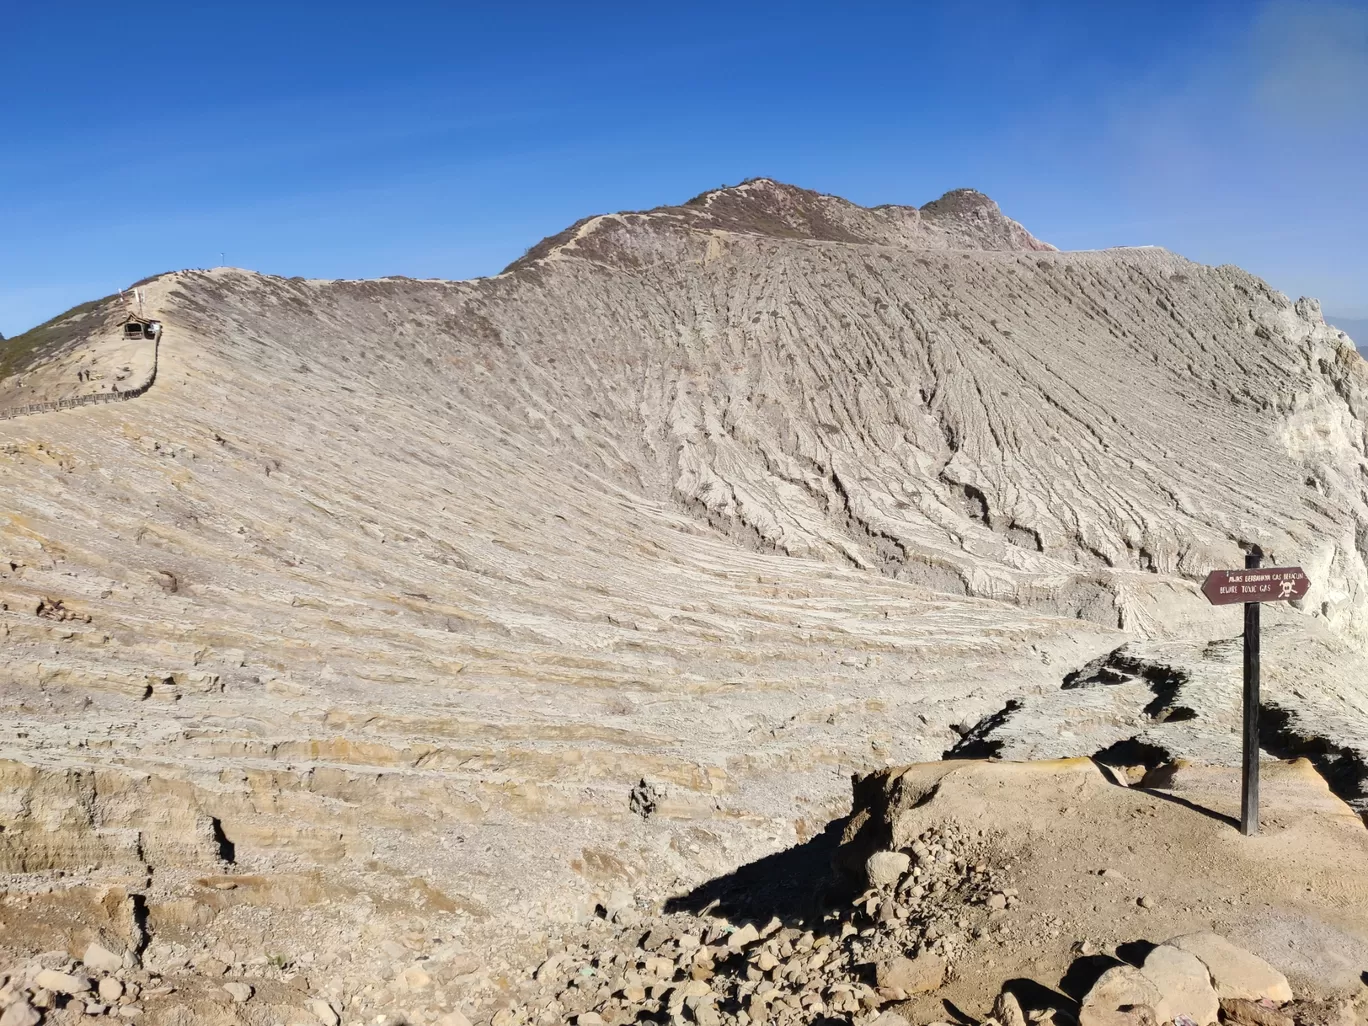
[1311,63]
[1244,104]
[1239,111]
[1251,150]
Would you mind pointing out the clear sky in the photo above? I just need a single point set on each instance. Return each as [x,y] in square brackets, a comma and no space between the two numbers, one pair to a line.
[353,139]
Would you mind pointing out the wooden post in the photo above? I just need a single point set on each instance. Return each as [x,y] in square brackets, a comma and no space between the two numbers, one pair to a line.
[1249,792]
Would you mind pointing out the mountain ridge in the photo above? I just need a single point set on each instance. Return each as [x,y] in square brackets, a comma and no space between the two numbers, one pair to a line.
[959,219]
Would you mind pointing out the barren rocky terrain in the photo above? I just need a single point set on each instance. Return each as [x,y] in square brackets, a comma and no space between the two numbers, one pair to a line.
[407,633]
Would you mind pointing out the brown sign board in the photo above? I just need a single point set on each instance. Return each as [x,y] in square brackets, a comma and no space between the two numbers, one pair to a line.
[1266,584]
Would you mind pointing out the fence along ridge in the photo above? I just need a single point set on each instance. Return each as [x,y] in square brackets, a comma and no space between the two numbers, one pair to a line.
[93,399]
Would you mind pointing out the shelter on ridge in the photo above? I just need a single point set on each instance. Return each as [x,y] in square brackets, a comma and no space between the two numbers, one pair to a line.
[141,327]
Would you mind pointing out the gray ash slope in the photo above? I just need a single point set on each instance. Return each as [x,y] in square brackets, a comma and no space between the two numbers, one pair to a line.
[931,395]
[739,497]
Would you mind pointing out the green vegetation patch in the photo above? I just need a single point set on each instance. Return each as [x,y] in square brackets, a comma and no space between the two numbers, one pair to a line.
[47,340]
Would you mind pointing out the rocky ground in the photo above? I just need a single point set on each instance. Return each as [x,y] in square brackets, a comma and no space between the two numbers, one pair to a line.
[402,624]
[959,891]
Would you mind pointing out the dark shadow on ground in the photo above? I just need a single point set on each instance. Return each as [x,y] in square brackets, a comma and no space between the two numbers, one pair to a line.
[1084,973]
[1154,780]
[1131,753]
[1036,997]
[1344,769]
[957,1014]
[1135,952]
[797,885]
[1193,806]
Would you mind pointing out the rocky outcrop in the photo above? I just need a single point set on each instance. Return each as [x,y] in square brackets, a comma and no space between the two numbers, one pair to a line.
[987,889]
[960,220]
[1236,974]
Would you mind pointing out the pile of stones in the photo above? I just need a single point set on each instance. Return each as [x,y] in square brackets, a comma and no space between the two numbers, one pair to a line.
[901,936]
[905,933]
[1195,980]
[898,937]
[101,983]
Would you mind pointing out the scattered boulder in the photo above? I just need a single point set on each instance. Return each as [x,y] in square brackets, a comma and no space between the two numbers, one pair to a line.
[743,936]
[414,978]
[100,959]
[548,968]
[1007,1010]
[20,1013]
[241,993]
[1236,973]
[110,990]
[885,868]
[323,1012]
[659,968]
[1182,979]
[1122,996]
[62,983]
[655,939]
[918,975]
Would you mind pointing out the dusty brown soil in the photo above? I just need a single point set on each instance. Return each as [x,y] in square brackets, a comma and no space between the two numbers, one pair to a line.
[1082,852]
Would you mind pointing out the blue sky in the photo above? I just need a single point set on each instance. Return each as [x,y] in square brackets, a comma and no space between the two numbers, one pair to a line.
[441,140]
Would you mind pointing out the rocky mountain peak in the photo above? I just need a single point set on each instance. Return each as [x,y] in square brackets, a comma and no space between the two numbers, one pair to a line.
[962,219]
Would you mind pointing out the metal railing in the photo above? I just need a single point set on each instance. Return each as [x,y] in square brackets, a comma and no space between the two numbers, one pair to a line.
[93,399]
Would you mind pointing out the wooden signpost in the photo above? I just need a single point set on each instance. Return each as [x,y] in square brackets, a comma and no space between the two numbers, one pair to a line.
[1252,585]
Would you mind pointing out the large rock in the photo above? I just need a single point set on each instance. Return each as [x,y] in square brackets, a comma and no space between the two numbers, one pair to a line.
[742,937]
[1122,996]
[885,868]
[100,959]
[918,975]
[1235,972]
[62,983]
[1182,978]
[240,992]
[21,1013]
[1007,1010]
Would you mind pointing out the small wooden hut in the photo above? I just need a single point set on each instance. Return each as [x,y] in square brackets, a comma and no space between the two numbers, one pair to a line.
[141,327]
